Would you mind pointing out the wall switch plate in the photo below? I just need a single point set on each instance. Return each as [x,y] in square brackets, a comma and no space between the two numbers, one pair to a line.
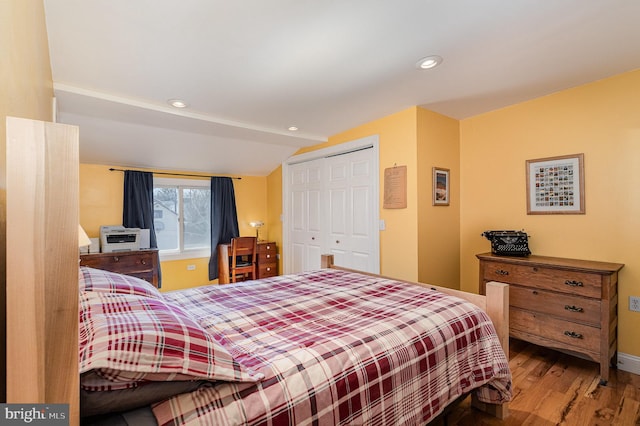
[191,267]
[634,303]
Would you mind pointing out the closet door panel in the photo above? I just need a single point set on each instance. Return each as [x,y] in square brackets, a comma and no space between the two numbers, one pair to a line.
[306,215]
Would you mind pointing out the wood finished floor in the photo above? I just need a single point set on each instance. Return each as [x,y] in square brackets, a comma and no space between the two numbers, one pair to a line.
[551,388]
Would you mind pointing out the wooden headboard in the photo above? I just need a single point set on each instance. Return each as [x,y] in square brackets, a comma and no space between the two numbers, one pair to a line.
[42,264]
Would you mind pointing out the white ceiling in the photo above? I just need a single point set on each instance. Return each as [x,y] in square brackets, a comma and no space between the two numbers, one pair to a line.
[249,69]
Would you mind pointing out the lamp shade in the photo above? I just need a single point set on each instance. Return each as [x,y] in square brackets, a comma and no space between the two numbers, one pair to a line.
[83,238]
[257,224]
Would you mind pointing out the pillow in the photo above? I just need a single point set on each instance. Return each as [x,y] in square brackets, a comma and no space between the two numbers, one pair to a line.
[92,279]
[128,339]
[94,403]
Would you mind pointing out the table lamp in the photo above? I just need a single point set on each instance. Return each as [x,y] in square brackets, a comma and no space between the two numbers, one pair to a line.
[257,224]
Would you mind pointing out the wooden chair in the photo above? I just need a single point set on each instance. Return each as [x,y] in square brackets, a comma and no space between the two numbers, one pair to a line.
[243,258]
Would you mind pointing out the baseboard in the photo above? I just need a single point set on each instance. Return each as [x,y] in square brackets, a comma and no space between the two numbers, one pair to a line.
[630,363]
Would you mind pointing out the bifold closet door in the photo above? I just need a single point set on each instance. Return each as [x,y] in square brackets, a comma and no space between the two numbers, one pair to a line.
[306,186]
[332,208]
[351,202]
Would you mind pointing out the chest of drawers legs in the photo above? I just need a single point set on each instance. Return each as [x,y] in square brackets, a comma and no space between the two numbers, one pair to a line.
[565,304]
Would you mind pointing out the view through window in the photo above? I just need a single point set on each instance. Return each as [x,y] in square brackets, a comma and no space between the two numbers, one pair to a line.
[182,216]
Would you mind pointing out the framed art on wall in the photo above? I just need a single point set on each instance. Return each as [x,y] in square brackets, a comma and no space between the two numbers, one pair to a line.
[555,185]
[440,186]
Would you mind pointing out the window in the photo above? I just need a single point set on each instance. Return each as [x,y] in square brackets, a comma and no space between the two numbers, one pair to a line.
[181,211]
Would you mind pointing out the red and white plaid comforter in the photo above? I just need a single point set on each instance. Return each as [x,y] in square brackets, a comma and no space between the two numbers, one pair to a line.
[339,348]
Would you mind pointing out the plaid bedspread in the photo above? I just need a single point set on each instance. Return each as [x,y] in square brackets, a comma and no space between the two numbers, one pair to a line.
[339,348]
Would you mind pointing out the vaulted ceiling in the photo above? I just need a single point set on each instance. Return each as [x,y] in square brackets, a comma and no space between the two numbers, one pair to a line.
[250,69]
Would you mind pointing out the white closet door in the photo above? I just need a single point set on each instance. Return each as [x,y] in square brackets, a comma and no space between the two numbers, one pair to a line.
[306,204]
[331,205]
[352,228]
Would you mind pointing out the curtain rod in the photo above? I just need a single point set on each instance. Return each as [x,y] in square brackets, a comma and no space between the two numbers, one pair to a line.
[169,174]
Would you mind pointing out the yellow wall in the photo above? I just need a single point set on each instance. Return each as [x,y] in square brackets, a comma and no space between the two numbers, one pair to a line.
[274,211]
[438,226]
[398,146]
[26,90]
[420,242]
[601,120]
[101,198]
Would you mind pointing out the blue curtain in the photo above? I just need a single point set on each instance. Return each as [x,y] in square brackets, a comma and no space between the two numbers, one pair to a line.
[137,211]
[224,219]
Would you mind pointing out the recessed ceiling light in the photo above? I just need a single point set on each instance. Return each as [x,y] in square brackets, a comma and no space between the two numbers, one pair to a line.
[429,62]
[177,103]
[293,129]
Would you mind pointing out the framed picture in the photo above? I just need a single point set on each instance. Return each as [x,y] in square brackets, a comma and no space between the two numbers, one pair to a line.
[555,185]
[440,187]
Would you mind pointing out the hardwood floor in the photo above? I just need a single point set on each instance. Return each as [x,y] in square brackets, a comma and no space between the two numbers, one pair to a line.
[551,388]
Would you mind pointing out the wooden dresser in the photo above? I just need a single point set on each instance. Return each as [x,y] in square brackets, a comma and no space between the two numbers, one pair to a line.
[140,263]
[564,304]
[267,259]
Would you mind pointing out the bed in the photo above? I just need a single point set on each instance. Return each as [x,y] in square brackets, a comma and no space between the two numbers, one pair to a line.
[324,347]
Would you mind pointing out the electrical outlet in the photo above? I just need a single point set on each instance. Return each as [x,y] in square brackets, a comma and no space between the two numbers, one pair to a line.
[634,303]
[191,267]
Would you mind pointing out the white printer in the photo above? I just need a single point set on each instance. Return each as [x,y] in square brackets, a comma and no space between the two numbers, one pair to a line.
[114,238]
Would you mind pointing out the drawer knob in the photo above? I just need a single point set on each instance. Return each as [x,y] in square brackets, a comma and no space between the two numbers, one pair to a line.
[502,272]
[268,269]
[144,262]
[572,308]
[574,283]
[573,334]
[268,256]
[116,259]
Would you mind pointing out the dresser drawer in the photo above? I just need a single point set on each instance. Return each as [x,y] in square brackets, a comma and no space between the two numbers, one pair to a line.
[264,248]
[268,270]
[148,276]
[577,283]
[267,257]
[123,263]
[572,308]
[569,335]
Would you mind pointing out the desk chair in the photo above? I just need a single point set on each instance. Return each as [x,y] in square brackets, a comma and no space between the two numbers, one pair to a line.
[243,258]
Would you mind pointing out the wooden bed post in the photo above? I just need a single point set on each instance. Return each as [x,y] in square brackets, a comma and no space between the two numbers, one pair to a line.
[326,261]
[498,309]
[42,264]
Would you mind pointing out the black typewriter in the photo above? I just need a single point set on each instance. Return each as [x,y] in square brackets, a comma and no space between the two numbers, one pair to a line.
[508,243]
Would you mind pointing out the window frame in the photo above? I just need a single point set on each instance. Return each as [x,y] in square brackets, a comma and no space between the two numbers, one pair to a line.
[181,184]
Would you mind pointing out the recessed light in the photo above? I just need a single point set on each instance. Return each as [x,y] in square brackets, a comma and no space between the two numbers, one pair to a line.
[293,129]
[429,62]
[177,103]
